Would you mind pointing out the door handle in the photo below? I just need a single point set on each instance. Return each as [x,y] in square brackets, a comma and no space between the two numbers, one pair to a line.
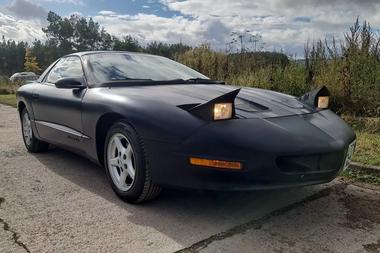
[35,96]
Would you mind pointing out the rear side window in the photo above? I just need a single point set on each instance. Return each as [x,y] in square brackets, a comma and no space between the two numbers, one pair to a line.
[67,67]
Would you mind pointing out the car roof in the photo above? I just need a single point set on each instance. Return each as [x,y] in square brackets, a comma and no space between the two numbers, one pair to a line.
[102,52]
[24,73]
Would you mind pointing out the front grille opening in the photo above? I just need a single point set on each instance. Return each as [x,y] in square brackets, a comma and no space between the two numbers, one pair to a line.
[318,163]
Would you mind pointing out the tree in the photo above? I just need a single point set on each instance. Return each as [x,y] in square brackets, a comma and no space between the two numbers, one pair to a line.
[76,34]
[60,31]
[167,50]
[31,64]
[128,43]
[11,56]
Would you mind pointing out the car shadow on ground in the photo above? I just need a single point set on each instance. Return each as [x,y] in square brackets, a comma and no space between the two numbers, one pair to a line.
[185,215]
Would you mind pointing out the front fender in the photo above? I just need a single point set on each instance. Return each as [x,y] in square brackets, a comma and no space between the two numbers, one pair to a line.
[24,95]
[153,120]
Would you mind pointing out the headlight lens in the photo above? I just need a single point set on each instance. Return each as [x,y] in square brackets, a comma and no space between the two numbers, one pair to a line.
[223,111]
[323,102]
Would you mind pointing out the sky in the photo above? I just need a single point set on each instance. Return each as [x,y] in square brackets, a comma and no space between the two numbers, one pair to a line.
[284,25]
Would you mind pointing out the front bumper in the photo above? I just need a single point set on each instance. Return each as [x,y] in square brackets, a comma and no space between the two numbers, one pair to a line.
[275,153]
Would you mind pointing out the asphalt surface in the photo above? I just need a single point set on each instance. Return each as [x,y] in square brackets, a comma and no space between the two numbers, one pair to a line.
[60,202]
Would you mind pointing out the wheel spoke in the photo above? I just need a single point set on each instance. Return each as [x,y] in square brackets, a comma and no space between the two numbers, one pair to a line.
[130,170]
[119,145]
[128,161]
[129,152]
[123,177]
[114,161]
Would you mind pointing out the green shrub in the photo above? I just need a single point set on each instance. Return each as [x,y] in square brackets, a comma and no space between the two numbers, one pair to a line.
[6,86]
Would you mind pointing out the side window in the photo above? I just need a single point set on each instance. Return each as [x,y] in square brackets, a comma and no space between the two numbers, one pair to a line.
[44,74]
[67,67]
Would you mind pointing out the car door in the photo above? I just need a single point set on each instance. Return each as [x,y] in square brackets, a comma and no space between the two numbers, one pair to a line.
[58,111]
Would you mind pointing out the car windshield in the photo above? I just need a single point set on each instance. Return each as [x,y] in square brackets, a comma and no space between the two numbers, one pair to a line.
[113,67]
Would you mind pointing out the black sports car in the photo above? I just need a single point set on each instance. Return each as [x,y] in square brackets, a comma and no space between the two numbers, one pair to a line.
[152,122]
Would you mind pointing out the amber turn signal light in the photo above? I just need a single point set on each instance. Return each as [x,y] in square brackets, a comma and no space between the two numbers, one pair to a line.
[216,163]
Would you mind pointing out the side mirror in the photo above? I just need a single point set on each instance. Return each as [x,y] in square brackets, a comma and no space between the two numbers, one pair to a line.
[70,83]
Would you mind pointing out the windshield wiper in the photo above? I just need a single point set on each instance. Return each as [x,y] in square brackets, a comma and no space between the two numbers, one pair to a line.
[133,82]
[203,80]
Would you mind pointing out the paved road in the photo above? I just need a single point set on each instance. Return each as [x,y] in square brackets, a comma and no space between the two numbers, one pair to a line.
[60,202]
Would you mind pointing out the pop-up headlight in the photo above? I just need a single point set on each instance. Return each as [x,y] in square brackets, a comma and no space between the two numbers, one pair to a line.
[323,102]
[223,111]
[318,98]
[219,108]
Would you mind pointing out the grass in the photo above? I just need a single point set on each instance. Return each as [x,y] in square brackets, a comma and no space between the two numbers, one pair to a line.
[9,99]
[6,87]
[363,124]
[362,176]
[367,148]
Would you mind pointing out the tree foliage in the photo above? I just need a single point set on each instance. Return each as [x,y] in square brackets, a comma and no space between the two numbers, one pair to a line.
[11,56]
[30,63]
[76,33]
[127,43]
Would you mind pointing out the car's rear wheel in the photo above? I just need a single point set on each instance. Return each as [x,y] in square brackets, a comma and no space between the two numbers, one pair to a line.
[126,165]
[31,142]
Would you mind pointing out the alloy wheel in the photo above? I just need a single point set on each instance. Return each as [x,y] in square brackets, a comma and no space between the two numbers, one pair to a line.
[120,161]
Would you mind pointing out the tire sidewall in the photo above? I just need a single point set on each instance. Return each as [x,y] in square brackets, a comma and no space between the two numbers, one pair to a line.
[134,192]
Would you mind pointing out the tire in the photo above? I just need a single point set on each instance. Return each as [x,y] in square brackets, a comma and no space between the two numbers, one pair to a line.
[120,165]
[32,144]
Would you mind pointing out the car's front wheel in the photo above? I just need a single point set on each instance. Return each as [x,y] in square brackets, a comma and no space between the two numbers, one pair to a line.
[126,165]
[31,142]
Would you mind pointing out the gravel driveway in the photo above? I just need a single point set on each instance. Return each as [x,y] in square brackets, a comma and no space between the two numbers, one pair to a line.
[60,202]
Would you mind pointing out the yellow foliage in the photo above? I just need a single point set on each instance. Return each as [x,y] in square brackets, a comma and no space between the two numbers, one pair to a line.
[30,63]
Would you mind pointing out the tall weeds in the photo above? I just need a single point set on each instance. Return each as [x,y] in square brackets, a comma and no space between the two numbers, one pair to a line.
[350,69]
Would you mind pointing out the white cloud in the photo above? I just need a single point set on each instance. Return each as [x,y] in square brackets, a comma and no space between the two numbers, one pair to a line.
[149,27]
[20,29]
[274,19]
[107,13]
[74,2]
[212,21]
[26,9]
[284,24]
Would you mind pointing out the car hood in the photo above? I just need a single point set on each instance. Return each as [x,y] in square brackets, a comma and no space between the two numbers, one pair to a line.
[250,102]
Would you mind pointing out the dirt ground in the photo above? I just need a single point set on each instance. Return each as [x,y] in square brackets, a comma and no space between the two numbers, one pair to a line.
[60,202]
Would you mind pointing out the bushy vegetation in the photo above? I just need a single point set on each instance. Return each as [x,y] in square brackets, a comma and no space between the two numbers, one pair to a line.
[268,70]
[351,70]
[7,87]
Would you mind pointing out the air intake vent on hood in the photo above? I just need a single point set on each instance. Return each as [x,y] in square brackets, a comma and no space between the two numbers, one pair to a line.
[248,106]
[187,107]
